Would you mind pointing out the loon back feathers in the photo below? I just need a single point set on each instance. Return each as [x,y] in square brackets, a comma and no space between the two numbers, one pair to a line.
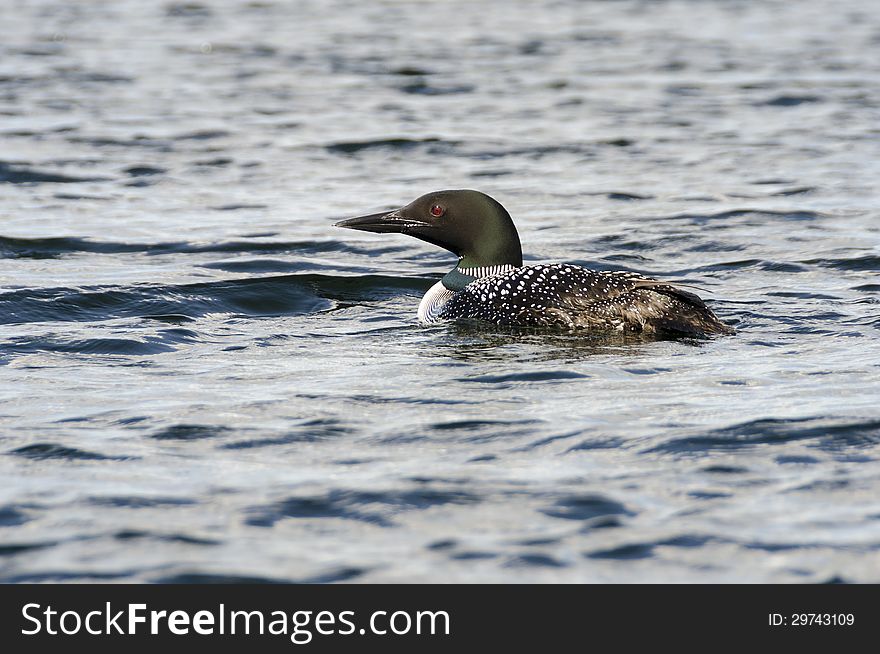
[571,297]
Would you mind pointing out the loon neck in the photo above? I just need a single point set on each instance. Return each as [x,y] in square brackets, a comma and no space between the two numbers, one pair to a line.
[460,276]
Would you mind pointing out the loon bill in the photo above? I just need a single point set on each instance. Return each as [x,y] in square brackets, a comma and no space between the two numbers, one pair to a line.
[490,283]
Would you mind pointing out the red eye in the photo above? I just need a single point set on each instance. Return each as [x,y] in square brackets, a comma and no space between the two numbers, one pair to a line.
[437,211]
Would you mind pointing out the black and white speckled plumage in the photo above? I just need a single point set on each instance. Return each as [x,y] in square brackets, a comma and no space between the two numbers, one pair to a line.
[571,297]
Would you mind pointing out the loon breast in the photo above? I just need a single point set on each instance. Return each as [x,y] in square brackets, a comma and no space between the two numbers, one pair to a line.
[432,305]
[572,297]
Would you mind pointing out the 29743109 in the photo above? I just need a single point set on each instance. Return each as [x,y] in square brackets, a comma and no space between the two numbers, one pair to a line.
[811,619]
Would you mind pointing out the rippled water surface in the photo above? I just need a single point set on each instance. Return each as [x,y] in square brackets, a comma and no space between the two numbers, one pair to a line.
[201,379]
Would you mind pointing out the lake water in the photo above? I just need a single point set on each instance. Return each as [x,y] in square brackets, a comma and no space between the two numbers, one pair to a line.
[202,380]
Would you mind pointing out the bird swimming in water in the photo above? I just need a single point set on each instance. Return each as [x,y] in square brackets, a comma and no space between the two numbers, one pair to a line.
[490,284]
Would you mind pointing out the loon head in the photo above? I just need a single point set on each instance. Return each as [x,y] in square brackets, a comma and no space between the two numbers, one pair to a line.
[468,223]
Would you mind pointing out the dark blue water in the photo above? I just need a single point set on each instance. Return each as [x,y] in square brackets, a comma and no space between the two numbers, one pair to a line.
[201,379]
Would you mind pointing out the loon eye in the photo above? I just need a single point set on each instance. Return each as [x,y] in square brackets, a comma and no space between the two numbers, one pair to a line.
[437,211]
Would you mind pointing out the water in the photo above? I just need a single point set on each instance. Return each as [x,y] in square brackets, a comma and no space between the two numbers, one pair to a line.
[203,380]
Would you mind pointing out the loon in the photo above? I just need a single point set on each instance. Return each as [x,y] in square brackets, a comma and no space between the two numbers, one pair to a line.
[490,284]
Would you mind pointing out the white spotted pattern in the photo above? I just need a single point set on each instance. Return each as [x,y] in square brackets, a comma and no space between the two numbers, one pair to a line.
[572,297]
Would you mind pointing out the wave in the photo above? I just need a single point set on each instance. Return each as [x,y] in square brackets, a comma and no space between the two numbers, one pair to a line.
[48,248]
[20,175]
[48,451]
[828,434]
[375,508]
[264,296]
